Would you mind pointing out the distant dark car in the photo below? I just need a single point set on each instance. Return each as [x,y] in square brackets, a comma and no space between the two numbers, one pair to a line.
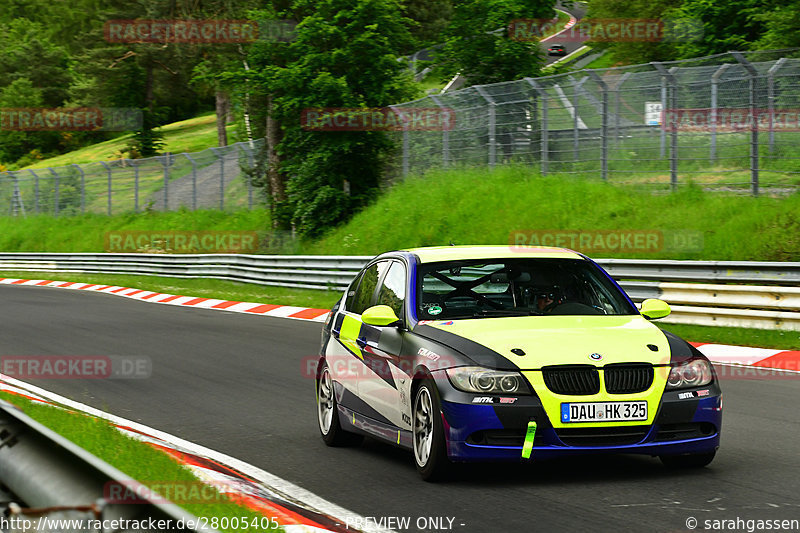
[556,50]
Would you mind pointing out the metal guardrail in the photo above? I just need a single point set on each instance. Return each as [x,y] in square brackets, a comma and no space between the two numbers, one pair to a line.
[307,272]
[760,272]
[729,293]
[56,479]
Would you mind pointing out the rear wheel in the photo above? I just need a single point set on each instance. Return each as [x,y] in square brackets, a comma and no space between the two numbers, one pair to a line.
[430,451]
[695,460]
[328,413]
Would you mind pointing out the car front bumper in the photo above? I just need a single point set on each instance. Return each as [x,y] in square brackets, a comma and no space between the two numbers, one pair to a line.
[496,432]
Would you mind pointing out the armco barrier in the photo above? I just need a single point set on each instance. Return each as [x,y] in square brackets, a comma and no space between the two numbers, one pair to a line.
[56,479]
[729,293]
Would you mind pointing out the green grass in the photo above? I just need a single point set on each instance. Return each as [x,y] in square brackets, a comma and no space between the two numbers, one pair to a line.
[476,206]
[190,135]
[604,61]
[86,233]
[761,338]
[202,287]
[140,461]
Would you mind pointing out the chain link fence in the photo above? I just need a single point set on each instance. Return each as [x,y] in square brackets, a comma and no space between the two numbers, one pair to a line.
[728,122]
[211,179]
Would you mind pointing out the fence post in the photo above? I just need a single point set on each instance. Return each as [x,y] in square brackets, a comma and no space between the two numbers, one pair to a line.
[771,100]
[673,149]
[108,171]
[35,191]
[216,152]
[135,166]
[165,164]
[11,207]
[618,105]
[249,155]
[56,191]
[445,134]
[753,101]
[492,110]
[83,187]
[406,164]
[19,205]
[603,124]
[576,86]
[663,145]
[669,98]
[544,147]
[714,119]
[194,179]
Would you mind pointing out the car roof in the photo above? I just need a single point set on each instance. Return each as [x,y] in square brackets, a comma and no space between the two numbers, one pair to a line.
[435,254]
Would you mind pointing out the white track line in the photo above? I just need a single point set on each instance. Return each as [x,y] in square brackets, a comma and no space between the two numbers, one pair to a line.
[287,489]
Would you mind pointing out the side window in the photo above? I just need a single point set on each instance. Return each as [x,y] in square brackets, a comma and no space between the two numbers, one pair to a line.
[348,302]
[393,288]
[366,288]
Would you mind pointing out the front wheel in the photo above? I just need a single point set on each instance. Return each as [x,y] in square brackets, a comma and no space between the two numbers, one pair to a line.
[695,460]
[328,413]
[430,452]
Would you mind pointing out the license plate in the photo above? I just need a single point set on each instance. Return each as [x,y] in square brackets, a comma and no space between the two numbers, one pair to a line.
[603,411]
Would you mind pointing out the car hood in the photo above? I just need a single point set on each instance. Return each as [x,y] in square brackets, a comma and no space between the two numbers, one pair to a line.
[562,340]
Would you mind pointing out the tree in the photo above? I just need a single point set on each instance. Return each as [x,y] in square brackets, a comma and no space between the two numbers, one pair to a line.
[344,55]
[431,17]
[781,23]
[635,52]
[478,45]
[729,25]
[34,72]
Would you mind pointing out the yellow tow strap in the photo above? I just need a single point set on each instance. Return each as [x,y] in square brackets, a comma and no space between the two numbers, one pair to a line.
[527,448]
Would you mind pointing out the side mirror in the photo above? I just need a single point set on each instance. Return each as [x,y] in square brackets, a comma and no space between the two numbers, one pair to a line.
[379,315]
[653,308]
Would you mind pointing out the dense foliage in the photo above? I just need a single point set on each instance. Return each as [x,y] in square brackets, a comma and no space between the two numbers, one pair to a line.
[723,26]
[336,53]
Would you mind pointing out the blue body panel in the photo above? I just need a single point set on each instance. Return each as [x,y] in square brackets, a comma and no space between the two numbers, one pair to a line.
[462,420]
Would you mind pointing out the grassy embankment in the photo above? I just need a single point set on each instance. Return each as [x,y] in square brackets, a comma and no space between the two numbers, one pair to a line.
[465,207]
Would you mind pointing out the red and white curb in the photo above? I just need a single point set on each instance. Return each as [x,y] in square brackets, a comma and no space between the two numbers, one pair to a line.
[719,353]
[280,311]
[572,21]
[766,358]
[296,509]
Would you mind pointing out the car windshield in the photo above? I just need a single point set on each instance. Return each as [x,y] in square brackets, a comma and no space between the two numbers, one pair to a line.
[516,287]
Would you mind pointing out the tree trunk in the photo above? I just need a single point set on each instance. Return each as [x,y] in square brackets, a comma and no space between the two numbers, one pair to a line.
[229,118]
[149,86]
[277,184]
[222,102]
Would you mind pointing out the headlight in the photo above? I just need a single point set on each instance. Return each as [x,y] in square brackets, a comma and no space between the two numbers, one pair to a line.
[694,373]
[485,381]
